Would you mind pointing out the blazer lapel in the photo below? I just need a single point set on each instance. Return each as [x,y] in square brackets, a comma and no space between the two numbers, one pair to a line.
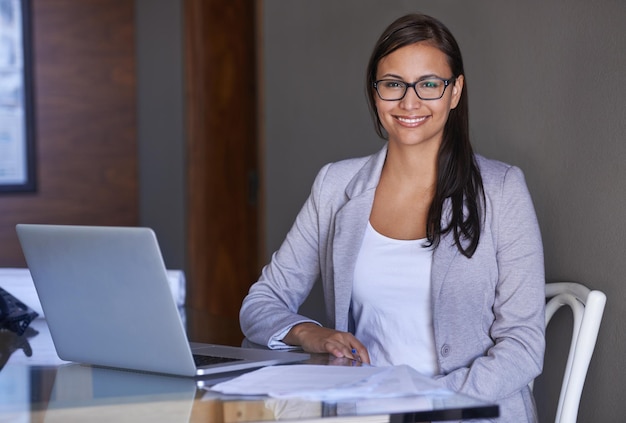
[350,227]
[350,223]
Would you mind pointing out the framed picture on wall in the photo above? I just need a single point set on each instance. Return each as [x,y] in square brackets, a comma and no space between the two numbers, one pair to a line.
[17,167]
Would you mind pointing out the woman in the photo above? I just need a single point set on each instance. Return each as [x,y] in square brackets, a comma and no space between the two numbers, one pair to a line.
[428,254]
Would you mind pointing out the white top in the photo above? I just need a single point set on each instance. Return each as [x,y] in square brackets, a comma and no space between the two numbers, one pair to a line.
[391,302]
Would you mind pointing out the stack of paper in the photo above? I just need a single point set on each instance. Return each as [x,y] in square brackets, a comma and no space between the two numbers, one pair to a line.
[314,382]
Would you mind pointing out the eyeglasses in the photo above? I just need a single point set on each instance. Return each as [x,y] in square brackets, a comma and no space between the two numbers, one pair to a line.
[426,89]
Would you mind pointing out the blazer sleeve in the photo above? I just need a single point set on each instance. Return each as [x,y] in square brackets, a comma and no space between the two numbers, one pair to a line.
[270,308]
[515,357]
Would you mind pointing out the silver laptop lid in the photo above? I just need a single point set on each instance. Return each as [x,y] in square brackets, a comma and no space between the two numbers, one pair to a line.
[92,281]
[105,294]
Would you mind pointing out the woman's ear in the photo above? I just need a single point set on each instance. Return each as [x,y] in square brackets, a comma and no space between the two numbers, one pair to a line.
[457,89]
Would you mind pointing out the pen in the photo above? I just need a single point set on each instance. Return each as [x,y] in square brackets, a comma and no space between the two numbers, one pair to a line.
[355,355]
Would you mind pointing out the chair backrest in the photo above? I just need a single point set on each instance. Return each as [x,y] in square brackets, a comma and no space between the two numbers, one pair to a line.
[587,309]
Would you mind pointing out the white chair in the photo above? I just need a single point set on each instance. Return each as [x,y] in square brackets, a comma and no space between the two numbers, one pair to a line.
[587,309]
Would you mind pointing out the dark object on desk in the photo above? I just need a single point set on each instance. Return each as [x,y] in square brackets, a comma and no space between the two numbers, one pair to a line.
[14,314]
[418,408]
[11,342]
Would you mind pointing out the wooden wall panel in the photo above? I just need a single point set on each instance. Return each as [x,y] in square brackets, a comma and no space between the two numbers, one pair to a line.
[222,154]
[85,118]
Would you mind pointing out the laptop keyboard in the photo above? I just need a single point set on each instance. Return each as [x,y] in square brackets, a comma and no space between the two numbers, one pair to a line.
[205,360]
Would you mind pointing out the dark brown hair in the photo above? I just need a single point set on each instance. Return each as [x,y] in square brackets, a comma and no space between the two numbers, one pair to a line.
[458,176]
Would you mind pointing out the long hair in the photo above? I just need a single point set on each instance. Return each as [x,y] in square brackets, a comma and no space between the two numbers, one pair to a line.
[458,176]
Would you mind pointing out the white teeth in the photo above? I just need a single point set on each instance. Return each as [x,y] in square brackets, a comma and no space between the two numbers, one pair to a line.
[411,120]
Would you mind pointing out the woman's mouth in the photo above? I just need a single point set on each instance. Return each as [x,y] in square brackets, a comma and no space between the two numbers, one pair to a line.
[411,121]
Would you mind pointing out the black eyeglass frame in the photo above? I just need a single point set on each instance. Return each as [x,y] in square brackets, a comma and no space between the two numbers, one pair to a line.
[413,85]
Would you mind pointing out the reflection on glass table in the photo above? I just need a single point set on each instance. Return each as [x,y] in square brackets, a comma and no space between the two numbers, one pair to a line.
[74,392]
[36,386]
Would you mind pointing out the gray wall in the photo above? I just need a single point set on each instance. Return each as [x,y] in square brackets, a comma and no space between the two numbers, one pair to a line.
[161,136]
[546,94]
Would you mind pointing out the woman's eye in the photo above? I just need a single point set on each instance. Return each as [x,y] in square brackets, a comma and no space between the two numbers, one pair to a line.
[430,84]
[394,84]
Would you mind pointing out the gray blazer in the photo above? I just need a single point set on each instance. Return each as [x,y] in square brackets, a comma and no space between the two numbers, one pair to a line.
[488,311]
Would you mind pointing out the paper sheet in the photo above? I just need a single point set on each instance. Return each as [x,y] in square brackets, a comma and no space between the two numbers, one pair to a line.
[330,382]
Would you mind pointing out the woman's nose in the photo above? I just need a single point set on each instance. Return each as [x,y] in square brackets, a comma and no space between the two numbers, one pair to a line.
[410,99]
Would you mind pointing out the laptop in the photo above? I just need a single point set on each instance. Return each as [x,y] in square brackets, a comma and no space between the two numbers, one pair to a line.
[105,294]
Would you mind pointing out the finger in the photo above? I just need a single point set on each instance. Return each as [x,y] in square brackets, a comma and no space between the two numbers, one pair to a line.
[339,348]
[339,351]
[360,353]
[364,355]
[350,347]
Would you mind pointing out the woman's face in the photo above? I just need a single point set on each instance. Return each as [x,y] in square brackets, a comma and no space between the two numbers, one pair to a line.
[411,120]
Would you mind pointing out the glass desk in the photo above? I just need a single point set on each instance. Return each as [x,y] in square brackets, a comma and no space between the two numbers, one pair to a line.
[36,386]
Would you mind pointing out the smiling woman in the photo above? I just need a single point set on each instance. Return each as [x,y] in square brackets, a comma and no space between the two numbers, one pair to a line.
[429,255]
[414,126]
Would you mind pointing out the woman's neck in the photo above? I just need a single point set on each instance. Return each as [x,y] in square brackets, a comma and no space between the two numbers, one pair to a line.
[412,165]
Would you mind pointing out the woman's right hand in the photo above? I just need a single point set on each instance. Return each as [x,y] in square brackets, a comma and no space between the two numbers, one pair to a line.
[317,339]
